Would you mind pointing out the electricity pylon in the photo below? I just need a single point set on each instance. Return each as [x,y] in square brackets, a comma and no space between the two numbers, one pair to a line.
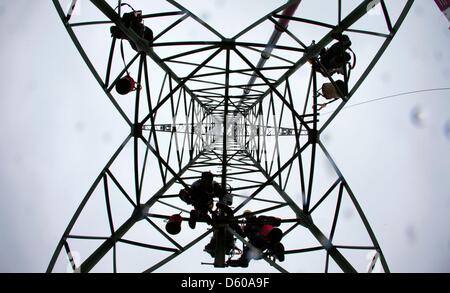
[232,107]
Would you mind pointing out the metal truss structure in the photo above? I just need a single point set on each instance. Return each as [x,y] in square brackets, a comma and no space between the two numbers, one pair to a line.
[227,105]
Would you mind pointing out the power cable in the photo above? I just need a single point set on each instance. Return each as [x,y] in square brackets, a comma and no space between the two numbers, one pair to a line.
[391,96]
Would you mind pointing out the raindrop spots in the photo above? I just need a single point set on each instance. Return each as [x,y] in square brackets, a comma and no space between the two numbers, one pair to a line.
[205,16]
[79,127]
[419,11]
[447,129]
[446,72]
[328,168]
[326,138]
[411,234]
[348,213]
[107,137]
[386,77]
[18,159]
[417,116]
[220,3]
[438,55]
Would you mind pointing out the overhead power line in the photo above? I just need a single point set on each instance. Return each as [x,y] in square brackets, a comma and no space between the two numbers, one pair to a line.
[392,96]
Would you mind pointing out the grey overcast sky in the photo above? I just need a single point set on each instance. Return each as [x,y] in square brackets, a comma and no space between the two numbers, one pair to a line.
[58,131]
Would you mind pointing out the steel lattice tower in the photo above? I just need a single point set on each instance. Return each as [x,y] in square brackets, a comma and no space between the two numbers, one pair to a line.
[235,112]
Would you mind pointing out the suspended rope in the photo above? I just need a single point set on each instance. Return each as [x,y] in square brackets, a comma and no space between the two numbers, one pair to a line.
[122,53]
[124,4]
[392,96]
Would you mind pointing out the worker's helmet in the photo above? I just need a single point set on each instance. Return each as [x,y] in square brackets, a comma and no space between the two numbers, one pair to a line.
[247,213]
[207,176]
[275,235]
[185,196]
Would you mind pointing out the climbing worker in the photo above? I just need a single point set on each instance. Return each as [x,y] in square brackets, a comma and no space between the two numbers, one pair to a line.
[223,213]
[263,234]
[334,59]
[201,194]
[134,21]
[230,241]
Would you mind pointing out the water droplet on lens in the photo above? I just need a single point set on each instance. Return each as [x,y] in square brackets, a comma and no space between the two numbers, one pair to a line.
[447,129]
[417,117]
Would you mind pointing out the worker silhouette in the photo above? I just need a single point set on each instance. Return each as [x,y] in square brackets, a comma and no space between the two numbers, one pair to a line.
[200,195]
[133,21]
[263,234]
[223,213]
[335,58]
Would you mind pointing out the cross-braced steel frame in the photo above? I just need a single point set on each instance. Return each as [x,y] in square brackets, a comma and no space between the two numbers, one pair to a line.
[239,118]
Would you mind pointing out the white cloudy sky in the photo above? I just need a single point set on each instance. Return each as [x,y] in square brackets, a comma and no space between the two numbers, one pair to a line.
[58,130]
